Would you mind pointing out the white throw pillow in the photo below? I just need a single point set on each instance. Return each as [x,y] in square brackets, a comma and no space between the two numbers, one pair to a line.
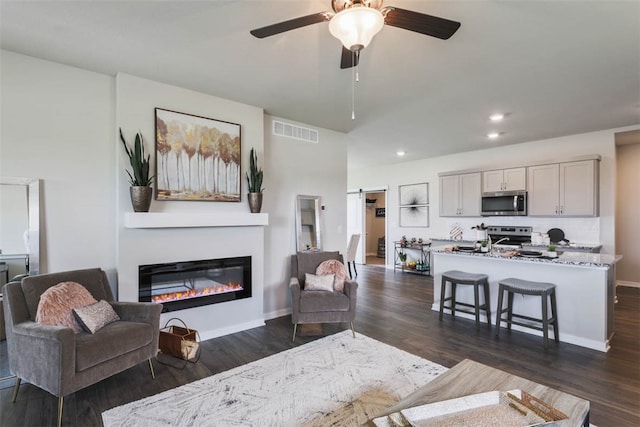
[318,283]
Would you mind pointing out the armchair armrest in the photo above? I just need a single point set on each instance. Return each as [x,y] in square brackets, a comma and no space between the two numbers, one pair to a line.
[350,288]
[145,312]
[44,356]
[32,329]
[294,285]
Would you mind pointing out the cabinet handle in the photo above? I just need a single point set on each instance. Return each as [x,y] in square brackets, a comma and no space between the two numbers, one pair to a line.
[561,210]
[556,210]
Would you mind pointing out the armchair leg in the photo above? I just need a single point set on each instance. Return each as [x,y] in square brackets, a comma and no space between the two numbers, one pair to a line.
[16,387]
[153,374]
[60,404]
[353,330]
[295,326]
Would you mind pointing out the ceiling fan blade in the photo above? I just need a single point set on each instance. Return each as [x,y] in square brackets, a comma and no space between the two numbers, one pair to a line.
[291,24]
[421,23]
[349,59]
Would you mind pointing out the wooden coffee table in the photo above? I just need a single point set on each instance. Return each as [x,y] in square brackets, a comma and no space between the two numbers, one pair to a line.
[469,377]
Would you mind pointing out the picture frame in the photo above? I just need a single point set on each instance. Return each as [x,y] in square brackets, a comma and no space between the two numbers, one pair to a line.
[414,216]
[197,158]
[414,205]
[414,194]
[380,212]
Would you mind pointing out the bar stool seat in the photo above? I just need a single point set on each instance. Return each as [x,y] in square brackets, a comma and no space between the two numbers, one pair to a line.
[526,287]
[456,277]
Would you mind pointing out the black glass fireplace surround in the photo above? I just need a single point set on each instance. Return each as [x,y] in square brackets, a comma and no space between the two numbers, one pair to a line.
[187,284]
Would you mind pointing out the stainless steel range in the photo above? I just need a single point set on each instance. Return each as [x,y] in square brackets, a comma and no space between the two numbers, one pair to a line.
[503,236]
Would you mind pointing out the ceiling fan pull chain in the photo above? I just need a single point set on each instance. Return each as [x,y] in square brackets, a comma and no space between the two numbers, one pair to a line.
[353,86]
[353,94]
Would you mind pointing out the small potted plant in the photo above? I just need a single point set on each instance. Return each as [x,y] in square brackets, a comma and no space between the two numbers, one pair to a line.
[484,246]
[403,258]
[254,181]
[140,180]
[551,253]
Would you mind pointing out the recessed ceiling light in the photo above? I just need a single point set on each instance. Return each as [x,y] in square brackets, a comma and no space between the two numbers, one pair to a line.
[493,135]
[400,153]
[496,117]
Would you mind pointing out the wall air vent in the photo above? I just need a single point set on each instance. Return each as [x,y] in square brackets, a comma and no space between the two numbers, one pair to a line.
[296,132]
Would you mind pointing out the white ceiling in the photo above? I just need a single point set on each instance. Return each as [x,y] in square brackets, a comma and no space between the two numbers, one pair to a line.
[556,67]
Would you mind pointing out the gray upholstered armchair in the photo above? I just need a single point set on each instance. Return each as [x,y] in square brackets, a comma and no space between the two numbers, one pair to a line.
[319,306]
[60,361]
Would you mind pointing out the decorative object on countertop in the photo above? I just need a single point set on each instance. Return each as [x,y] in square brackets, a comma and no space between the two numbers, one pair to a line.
[481,231]
[254,180]
[551,253]
[403,257]
[484,246]
[404,242]
[197,158]
[556,235]
[456,232]
[140,190]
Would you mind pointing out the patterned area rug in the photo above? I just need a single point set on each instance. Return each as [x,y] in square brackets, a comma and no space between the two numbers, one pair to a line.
[334,381]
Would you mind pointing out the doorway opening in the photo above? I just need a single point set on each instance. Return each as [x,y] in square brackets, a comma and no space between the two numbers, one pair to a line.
[366,211]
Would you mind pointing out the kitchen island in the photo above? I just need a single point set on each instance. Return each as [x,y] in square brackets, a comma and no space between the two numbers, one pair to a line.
[585,289]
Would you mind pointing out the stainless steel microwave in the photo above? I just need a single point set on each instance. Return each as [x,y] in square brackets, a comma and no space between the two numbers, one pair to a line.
[504,203]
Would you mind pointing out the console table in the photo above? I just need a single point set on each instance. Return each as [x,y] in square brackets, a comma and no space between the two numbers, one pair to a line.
[422,250]
[469,377]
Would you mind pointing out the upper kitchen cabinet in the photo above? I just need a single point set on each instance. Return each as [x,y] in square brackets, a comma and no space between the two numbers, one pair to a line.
[564,189]
[460,195]
[504,180]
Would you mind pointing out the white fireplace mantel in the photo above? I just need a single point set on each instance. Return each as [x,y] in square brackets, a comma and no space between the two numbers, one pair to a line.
[192,220]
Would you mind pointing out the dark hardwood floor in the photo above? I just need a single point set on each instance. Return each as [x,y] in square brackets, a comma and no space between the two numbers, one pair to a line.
[393,308]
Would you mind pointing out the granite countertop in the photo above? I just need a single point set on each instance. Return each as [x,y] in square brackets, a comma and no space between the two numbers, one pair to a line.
[449,239]
[566,258]
[569,246]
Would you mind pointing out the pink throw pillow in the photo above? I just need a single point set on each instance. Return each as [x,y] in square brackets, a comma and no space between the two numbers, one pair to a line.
[335,267]
[56,305]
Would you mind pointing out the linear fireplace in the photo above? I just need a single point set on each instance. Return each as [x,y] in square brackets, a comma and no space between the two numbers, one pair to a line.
[180,285]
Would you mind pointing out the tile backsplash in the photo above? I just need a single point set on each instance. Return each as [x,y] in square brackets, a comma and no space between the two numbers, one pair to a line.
[576,230]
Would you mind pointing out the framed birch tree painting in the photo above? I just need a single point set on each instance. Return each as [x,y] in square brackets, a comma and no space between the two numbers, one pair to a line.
[197,158]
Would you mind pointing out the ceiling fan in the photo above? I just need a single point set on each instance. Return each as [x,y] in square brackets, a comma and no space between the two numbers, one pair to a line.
[355,22]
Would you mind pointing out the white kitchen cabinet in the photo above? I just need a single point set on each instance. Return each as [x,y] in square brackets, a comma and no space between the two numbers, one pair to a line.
[564,189]
[460,195]
[504,180]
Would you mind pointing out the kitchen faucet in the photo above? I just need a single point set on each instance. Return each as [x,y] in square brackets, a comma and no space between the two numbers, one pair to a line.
[501,240]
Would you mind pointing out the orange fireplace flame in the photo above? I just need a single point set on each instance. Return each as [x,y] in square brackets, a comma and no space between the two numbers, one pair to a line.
[194,293]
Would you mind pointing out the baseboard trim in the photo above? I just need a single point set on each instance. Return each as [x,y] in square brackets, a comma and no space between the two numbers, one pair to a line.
[277,313]
[628,284]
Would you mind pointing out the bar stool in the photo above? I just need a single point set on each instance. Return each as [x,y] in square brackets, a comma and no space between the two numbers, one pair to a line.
[525,287]
[456,277]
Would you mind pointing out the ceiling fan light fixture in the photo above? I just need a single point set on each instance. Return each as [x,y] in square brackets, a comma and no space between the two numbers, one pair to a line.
[356,26]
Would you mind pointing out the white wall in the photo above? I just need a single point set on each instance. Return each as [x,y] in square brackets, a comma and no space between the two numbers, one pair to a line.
[295,167]
[583,230]
[136,99]
[57,125]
